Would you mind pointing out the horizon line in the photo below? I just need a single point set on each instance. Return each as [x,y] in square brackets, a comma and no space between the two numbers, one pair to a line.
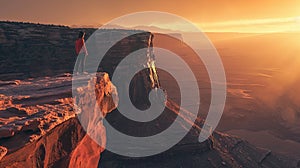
[132,28]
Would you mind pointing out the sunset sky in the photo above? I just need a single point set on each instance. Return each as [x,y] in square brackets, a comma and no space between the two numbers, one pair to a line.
[214,15]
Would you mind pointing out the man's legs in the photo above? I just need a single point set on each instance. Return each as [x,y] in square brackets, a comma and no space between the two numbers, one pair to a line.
[79,65]
[83,63]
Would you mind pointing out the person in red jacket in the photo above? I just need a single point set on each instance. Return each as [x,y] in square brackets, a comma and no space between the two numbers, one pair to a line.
[81,51]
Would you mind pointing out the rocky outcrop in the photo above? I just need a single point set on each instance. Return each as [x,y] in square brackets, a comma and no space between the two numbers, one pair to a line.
[38,105]
[32,108]
[48,134]
[50,150]
[38,127]
[220,150]
[92,121]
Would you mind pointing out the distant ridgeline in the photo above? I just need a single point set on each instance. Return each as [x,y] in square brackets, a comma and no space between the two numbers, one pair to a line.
[32,50]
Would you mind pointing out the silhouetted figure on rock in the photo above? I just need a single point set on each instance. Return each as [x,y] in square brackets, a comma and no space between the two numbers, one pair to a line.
[81,51]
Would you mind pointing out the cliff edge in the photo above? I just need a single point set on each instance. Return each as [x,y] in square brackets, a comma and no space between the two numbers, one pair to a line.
[39,124]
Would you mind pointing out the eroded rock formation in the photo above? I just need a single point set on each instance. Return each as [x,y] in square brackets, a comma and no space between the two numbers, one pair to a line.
[38,127]
[90,118]
[47,133]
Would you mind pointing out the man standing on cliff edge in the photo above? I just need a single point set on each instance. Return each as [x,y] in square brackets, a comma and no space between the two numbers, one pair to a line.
[81,51]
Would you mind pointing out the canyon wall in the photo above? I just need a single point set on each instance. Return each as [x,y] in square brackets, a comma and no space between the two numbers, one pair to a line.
[34,50]
[38,123]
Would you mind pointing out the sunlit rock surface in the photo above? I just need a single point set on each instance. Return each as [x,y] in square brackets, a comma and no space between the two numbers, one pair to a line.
[38,124]
[92,119]
[38,127]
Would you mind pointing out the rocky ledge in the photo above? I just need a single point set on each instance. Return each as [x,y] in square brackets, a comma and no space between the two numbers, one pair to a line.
[39,124]
[38,127]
